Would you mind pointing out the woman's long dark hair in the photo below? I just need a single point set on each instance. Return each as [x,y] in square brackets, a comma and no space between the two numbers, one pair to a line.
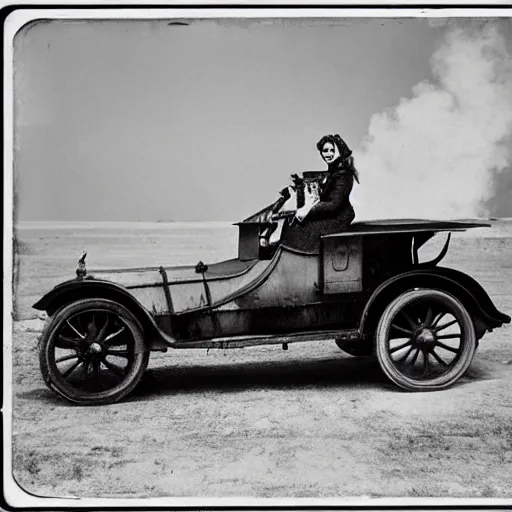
[346,159]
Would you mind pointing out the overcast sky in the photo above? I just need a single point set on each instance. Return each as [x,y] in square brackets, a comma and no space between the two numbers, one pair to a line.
[142,120]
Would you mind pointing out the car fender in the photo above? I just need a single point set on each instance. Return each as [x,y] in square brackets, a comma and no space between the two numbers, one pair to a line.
[472,295]
[77,289]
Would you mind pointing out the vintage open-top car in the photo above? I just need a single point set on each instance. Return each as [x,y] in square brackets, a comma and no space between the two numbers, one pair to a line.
[366,289]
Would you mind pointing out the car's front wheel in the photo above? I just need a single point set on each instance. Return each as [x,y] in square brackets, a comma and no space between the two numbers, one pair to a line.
[425,340]
[92,352]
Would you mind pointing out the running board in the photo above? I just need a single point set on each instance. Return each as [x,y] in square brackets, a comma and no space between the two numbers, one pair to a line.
[249,341]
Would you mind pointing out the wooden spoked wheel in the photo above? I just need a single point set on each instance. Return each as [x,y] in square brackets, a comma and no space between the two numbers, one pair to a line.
[92,352]
[425,340]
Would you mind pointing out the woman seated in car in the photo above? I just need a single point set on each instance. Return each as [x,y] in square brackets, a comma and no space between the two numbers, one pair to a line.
[333,211]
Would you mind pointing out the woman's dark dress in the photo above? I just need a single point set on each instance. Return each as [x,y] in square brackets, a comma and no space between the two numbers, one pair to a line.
[332,214]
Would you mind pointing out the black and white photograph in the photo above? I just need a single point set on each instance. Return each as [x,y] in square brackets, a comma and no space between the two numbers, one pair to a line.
[258,256]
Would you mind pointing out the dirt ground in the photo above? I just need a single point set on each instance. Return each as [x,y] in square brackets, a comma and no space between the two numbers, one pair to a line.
[260,422]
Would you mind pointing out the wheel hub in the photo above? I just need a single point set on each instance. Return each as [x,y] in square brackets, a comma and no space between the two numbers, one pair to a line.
[425,337]
[95,348]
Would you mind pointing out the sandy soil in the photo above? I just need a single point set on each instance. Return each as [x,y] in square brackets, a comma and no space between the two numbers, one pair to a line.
[260,422]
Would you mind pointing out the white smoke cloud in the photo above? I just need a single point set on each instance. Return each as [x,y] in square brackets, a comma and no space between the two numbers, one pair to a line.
[435,154]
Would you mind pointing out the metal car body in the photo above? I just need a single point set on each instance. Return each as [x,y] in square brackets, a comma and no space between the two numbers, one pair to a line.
[341,293]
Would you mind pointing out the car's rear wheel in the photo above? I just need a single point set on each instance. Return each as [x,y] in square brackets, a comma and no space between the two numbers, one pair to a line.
[425,340]
[92,352]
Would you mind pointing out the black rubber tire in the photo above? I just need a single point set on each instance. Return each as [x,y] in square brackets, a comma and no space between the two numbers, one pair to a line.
[455,369]
[355,349]
[60,385]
